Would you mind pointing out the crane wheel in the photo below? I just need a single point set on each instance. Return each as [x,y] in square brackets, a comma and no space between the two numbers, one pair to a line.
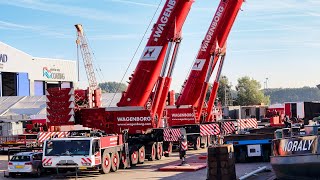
[134,158]
[142,154]
[209,140]
[106,163]
[159,151]
[169,150]
[197,144]
[115,161]
[152,156]
[204,139]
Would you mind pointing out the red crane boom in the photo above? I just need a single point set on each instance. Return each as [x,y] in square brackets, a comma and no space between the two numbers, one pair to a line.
[167,29]
[191,108]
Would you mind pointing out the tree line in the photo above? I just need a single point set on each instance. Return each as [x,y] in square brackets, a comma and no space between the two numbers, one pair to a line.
[247,92]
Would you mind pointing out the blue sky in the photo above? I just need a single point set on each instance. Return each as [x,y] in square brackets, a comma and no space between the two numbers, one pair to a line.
[278,40]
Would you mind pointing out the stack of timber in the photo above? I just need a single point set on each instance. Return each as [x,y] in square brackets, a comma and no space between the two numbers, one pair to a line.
[221,162]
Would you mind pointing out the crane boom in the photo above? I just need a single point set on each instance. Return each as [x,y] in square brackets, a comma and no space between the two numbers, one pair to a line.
[190,105]
[87,57]
[215,38]
[145,77]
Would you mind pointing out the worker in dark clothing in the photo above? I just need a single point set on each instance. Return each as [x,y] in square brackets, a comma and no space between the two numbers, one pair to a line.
[294,120]
[287,121]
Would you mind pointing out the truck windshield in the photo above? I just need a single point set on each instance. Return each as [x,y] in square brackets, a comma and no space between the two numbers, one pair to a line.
[67,148]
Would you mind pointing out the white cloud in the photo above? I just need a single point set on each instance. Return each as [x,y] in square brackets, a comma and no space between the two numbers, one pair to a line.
[258,50]
[134,3]
[63,9]
[314,14]
[114,36]
[14,26]
[45,31]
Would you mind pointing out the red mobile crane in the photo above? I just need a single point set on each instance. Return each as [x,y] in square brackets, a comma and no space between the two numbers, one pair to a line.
[138,115]
[191,111]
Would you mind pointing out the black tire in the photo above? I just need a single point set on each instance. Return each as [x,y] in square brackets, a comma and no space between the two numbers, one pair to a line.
[159,151]
[115,161]
[266,156]
[13,175]
[142,155]
[134,158]
[153,152]
[169,150]
[204,142]
[106,163]
[209,141]
[197,144]
[242,157]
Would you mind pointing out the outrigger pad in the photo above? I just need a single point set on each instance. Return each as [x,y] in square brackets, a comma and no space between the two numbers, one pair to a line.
[192,167]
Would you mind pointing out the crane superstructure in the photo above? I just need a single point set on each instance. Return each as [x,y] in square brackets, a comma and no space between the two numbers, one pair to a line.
[191,108]
[138,113]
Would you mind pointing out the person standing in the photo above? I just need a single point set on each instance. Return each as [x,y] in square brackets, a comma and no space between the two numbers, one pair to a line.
[287,121]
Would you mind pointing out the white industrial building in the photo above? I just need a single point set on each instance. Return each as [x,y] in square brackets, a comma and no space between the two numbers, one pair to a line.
[24,75]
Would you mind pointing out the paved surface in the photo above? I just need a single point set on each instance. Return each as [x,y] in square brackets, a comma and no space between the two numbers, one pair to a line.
[149,170]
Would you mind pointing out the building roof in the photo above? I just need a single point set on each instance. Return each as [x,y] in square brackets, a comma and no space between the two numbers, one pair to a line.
[34,107]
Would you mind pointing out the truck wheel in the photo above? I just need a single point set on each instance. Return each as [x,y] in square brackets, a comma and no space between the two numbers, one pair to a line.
[153,152]
[242,157]
[266,156]
[124,162]
[159,151]
[115,162]
[196,144]
[106,163]
[209,141]
[134,158]
[142,154]
[13,175]
[204,141]
[169,151]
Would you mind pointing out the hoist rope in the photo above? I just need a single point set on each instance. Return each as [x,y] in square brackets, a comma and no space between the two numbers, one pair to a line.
[136,51]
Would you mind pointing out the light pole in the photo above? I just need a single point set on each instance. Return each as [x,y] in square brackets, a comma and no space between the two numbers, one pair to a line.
[266,83]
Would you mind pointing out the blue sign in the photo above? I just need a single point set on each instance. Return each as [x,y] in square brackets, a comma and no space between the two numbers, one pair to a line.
[3,58]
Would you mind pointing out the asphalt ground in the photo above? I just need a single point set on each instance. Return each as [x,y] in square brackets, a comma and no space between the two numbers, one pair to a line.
[149,170]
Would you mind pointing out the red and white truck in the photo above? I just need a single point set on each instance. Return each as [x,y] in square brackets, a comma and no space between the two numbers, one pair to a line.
[85,150]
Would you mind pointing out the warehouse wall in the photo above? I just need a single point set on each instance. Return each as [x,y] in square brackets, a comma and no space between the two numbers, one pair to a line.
[31,71]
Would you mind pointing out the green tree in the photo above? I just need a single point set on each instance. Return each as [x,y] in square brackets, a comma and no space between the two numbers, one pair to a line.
[281,95]
[224,91]
[249,92]
[112,87]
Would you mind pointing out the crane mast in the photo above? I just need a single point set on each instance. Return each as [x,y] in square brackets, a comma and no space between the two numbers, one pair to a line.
[146,75]
[196,85]
[190,105]
[82,43]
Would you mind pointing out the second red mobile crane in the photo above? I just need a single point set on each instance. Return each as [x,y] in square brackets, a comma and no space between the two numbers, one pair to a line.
[190,110]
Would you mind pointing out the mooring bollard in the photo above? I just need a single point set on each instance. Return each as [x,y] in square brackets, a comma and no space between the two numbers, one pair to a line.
[183,150]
